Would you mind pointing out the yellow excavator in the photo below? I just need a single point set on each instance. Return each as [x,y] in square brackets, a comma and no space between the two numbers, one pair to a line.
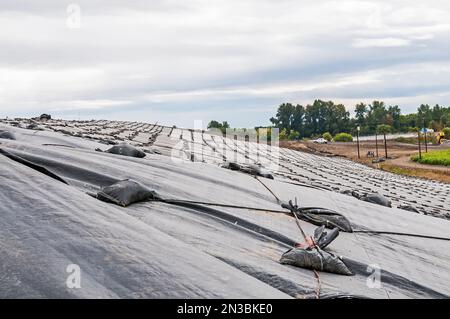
[440,137]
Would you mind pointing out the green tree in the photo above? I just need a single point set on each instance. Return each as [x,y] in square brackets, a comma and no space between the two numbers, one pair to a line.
[393,117]
[376,115]
[360,114]
[284,115]
[298,120]
[424,114]
[221,126]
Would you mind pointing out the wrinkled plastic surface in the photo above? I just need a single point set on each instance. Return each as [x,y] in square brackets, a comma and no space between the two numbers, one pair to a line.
[157,250]
[7,135]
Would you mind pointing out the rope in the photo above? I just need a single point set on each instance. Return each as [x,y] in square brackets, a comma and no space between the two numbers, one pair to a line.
[300,227]
[177,201]
[297,221]
[375,232]
[265,186]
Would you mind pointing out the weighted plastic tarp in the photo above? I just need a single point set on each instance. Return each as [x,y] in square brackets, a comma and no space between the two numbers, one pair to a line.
[158,250]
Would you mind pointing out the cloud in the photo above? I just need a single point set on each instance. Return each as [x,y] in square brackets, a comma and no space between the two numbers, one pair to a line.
[381,43]
[224,59]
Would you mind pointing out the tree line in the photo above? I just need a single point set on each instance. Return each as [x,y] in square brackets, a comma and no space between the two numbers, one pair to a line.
[312,120]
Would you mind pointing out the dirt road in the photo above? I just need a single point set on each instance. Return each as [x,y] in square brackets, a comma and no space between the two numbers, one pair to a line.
[398,161]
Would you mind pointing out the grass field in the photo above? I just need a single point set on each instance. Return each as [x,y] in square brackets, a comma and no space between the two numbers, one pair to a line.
[434,158]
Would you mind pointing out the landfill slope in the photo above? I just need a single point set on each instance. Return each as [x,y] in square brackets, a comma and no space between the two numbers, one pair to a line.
[160,250]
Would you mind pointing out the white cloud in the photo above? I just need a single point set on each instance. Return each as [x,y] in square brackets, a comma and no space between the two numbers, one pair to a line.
[381,43]
[184,54]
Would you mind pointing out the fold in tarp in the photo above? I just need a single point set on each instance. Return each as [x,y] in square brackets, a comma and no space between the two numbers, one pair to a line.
[160,250]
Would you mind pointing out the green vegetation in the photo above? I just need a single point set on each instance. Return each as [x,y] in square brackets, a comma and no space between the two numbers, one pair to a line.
[397,170]
[446,132]
[384,129]
[294,135]
[283,135]
[327,136]
[325,116]
[434,158]
[407,140]
[320,117]
[343,137]
[221,126]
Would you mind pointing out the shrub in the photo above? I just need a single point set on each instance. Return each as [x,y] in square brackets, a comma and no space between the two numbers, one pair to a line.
[294,135]
[434,158]
[327,136]
[446,132]
[283,135]
[407,140]
[343,137]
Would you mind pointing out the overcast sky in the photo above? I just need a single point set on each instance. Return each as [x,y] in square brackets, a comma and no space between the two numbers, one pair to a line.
[180,61]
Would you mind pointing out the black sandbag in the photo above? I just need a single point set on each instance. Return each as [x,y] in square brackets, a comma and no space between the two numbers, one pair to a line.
[320,216]
[376,198]
[125,193]
[32,126]
[323,238]
[248,169]
[257,170]
[45,117]
[126,150]
[232,165]
[316,259]
[409,208]
[325,217]
[7,135]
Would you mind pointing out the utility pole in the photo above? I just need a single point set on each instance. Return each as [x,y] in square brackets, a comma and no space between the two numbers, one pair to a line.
[385,146]
[425,134]
[357,140]
[376,142]
[418,139]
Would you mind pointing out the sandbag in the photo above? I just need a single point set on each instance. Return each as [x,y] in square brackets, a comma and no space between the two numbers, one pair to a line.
[126,150]
[45,117]
[376,198]
[373,198]
[258,170]
[409,208]
[251,169]
[125,193]
[320,216]
[33,126]
[7,135]
[323,238]
[325,217]
[316,259]
[232,166]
